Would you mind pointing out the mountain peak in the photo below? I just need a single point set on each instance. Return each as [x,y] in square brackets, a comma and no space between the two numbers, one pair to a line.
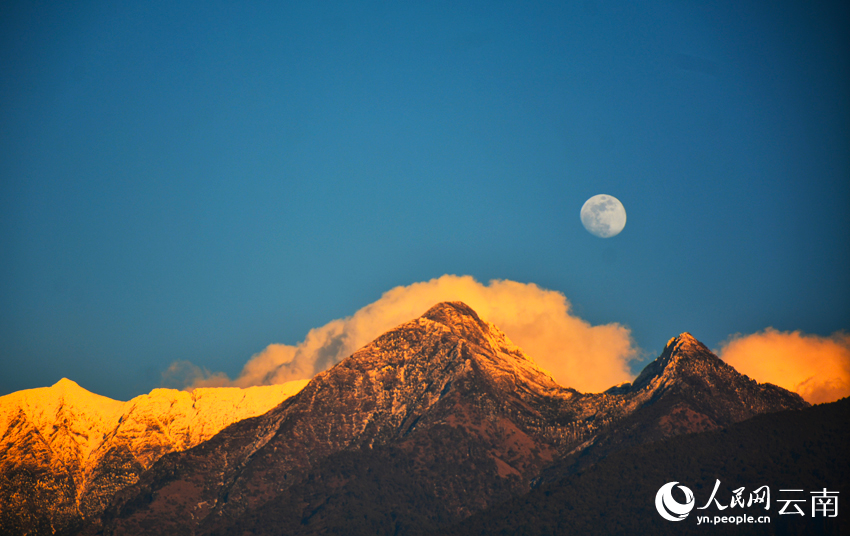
[500,355]
[686,346]
[685,341]
[681,353]
[688,364]
[64,381]
[66,385]
[63,394]
[461,320]
[452,313]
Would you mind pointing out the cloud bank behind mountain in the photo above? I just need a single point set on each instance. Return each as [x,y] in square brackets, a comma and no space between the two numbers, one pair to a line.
[577,354]
[817,368]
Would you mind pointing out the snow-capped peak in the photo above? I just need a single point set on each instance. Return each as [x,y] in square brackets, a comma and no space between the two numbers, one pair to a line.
[71,419]
[87,436]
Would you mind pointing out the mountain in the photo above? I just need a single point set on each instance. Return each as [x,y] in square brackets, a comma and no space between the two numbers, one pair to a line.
[686,389]
[804,450]
[65,451]
[433,421]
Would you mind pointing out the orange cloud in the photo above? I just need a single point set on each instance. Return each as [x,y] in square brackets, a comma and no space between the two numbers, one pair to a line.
[817,368]
[577,354]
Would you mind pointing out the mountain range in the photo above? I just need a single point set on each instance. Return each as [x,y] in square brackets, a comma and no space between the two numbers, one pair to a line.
[436,420]
[65,451]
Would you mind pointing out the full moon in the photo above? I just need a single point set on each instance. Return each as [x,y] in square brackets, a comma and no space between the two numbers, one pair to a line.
[603,215]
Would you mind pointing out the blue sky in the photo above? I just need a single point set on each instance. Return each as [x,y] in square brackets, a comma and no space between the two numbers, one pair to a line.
[194,182]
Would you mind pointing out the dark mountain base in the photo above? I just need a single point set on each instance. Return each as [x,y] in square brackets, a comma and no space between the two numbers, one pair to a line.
[27,492]
[788,450]
[382,491]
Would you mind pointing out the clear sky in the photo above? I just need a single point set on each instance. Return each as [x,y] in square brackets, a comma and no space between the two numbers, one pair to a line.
[194,181]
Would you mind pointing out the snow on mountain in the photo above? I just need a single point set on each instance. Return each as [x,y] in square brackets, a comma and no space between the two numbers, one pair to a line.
[92,445]
[71,420]
[181,419]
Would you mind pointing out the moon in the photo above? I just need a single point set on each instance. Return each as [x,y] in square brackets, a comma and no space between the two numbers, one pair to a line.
[603,215]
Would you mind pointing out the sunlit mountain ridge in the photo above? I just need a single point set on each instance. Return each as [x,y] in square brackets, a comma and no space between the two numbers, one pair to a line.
[66,450]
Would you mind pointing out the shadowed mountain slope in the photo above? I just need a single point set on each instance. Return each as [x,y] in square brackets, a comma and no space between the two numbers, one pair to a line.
[804,450]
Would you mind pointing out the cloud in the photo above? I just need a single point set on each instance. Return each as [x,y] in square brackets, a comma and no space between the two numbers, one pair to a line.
[182,373]
[817,368]
[577,354]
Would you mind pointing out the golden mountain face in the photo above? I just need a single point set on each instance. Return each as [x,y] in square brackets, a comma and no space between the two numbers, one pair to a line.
[68,450]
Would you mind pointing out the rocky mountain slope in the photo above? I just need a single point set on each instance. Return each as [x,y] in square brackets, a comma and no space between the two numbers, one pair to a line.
[436,419]
[65,451]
